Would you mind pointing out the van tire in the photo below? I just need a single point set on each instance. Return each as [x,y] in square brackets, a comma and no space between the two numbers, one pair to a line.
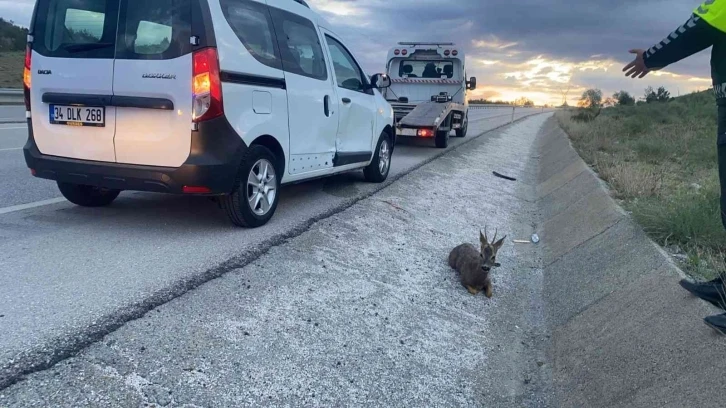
[236,204]
[87,196]
[462,132]
[442,139]
[372,172]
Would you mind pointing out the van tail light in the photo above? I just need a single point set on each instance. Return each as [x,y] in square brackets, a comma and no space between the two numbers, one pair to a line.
[404,52]
[206,86]
[396,52]
[26,78]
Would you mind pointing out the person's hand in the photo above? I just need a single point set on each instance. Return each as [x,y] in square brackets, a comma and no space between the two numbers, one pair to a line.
[636,68]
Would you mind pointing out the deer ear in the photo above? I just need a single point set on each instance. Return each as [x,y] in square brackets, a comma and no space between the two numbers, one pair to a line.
[499,243]
[482,238]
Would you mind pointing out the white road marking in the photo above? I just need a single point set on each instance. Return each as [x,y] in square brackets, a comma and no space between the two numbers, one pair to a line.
[21,207]
[15,127]
[11,148]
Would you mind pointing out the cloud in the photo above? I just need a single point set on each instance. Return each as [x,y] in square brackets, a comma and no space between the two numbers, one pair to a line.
[513,46]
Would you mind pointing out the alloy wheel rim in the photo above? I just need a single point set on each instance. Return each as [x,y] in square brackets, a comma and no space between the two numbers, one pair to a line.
[261,187]
[384,157]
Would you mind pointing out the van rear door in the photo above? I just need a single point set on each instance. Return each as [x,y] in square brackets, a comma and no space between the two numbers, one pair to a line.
[152,82]
[71,78]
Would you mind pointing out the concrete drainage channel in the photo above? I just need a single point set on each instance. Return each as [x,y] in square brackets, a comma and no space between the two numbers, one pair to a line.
[624,333]
[45,357]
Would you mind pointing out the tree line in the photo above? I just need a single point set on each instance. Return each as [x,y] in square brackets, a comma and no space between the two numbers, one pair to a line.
[523,101]
[593,98]
[12,37]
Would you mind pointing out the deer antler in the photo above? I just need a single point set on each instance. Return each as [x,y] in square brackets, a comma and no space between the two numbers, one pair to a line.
[495,235]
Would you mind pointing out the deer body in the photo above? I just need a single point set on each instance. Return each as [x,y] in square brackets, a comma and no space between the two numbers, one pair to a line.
[474,266]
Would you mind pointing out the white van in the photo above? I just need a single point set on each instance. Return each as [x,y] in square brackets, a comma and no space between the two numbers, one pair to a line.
[228,98]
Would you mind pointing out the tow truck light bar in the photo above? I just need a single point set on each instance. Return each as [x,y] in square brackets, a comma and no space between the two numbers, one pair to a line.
[413,44]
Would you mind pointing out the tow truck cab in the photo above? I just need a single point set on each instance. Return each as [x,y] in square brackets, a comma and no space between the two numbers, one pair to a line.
[423,73]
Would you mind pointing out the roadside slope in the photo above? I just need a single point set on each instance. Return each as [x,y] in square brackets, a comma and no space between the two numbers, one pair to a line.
[624,332]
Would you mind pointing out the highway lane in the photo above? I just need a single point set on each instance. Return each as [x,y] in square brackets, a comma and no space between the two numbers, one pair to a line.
[69,274]
[16,183]
[12,113]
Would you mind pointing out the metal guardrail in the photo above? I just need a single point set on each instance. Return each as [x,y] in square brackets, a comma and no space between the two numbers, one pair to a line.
[11,96]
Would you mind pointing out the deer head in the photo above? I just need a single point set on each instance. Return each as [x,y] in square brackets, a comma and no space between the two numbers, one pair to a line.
[489,250]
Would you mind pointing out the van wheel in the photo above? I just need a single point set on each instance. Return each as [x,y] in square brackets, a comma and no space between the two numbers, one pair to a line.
[380,166]
[442,139]
[254,200]
[87,196]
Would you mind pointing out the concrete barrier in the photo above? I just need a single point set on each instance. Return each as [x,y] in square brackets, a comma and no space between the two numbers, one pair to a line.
[624,333]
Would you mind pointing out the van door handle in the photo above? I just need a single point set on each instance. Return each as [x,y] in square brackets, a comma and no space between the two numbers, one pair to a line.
[326,105]
[346,100]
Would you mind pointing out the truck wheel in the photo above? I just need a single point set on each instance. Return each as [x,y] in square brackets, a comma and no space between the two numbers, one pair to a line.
[462,132]
[254,200]
[442,139]
[87,196]
[378,170]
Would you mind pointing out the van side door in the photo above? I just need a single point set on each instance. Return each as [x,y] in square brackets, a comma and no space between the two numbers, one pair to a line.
[357,113]
[312,108]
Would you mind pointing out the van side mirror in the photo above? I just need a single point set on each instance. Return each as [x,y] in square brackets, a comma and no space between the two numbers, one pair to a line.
[472,83]
[380,81]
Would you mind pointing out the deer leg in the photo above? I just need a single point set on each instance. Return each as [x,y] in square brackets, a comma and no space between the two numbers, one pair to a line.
[472,290]
[488,290]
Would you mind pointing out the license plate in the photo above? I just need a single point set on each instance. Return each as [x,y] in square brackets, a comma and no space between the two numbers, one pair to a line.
[78,115]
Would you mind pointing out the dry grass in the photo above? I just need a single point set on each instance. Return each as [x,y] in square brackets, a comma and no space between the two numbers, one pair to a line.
[11,69]
[660,161]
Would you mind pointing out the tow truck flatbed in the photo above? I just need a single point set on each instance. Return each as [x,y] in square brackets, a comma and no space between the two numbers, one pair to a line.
[430,115]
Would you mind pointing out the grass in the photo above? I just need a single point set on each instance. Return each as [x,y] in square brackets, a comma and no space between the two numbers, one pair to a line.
[11,69]
[660,162]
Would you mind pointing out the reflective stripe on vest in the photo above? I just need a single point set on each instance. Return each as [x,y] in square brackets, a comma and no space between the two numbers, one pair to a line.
[713,12]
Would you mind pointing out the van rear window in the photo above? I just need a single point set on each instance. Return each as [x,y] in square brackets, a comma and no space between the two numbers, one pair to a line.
[125,29]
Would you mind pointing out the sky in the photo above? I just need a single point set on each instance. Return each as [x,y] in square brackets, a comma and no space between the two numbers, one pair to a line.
[516,48]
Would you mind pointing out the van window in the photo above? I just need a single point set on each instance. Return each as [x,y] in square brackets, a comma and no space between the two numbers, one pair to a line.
[299,44]
[154,29]
[75,28]
[152,38]
[347,72]
[141,29]
[252,23]
[83,27]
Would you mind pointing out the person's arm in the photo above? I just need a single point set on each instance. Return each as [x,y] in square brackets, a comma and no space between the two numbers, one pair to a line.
[692,37]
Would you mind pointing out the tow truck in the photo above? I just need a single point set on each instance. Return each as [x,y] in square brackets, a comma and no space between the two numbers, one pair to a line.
[428,90]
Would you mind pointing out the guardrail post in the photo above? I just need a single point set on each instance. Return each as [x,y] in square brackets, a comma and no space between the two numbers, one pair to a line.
[513,108]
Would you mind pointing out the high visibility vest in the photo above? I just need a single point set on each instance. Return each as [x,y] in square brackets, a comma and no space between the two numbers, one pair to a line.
[713,12]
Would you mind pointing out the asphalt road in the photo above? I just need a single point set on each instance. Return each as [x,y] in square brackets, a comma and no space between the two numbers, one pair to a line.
[70,275]
[12,113]
[359,309]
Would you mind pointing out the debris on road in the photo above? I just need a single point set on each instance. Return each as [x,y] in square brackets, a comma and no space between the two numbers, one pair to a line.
[503,176]
[393,205]
[533,240]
